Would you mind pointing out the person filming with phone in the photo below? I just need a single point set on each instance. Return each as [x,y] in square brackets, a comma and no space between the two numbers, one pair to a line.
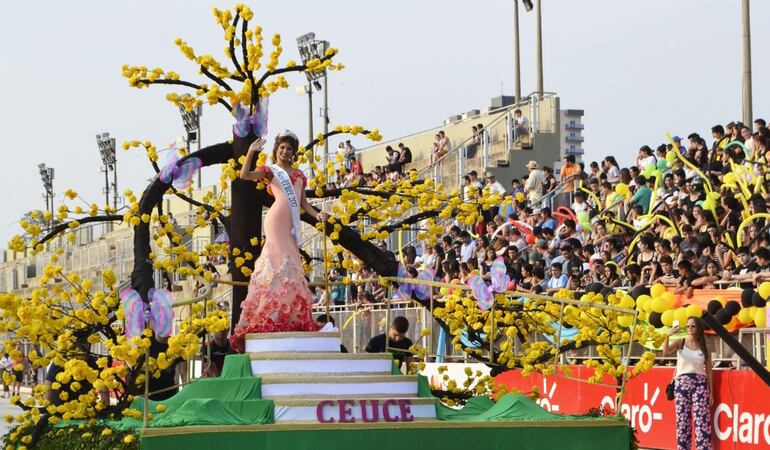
[693,388]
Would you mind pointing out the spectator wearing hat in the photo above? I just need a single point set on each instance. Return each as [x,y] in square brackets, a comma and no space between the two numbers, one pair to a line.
[534,185]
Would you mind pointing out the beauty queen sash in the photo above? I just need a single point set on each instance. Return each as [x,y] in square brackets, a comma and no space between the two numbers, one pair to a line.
[284,181]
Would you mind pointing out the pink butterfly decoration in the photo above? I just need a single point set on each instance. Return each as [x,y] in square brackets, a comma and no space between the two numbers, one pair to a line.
[179,174]
[484,296]
[133,312]
[499,275]
[160,315]
[161,312]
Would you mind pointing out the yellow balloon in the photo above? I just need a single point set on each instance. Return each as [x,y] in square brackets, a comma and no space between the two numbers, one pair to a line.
[680,314]
[641,301]
[621,189]
[668,299]
[624,320]
[658,304]
[667,317]
[443,291]
[764,290]
[745,317]
[693,311]
[656,290]
[760,319]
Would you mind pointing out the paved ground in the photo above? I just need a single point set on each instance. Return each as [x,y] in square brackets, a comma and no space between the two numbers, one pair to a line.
[6,408]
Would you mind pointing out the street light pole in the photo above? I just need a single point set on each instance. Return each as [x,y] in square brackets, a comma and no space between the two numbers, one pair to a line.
[192,125]
[309,49]
[539,27]
[516,59]
[309,112]
[746,21]
[46,176]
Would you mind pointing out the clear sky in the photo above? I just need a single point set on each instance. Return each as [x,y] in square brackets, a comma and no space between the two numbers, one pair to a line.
[638,69]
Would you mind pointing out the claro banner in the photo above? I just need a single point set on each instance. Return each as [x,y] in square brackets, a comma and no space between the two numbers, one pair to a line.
[740,414]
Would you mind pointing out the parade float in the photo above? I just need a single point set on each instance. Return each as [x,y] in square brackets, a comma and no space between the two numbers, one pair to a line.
[295,389]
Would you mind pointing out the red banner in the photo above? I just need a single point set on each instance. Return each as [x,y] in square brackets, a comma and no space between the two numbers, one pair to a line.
[740,414]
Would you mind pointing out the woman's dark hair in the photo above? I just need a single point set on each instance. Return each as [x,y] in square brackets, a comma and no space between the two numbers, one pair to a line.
[700,336]
[410,254]
[288,139]
[625,175]
[611,160]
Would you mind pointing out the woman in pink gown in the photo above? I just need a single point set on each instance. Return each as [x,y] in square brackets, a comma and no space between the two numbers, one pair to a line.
[278,299]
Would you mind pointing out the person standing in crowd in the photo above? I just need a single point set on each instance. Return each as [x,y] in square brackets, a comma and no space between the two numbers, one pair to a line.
[5,366]
[570,174]
[534,185]
[693,387]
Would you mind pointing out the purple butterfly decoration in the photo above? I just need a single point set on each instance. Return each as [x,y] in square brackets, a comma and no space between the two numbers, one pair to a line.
[180,175]
[161,312]
[133,312]
[256,121]
[481,291]
[499,275]
[407,289]
[136,315]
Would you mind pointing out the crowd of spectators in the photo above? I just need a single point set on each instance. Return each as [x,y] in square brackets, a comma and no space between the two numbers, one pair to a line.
[614,227]
[681,236]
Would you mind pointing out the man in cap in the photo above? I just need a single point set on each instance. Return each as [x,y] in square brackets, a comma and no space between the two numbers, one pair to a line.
[534,185]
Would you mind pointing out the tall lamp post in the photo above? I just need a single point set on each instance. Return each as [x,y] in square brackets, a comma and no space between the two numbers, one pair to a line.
[746,21]
[539,28]
[106,146]
[192,124]
[46,175]
[516,52]
[310,48]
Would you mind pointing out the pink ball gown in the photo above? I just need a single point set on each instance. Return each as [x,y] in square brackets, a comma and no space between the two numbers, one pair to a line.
[278,298]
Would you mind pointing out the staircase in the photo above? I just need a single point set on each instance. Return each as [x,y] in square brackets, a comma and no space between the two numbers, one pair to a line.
[311,381]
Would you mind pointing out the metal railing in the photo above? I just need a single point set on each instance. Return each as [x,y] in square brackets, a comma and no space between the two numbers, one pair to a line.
[494,144]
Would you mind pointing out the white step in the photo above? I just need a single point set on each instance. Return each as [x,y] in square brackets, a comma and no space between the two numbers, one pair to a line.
[327,387]
[330,411]
[336,363]
[299,341]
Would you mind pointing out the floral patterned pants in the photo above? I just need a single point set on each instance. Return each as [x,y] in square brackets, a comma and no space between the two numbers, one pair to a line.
[691,397]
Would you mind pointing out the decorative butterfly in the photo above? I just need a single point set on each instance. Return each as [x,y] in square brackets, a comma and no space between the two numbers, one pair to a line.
[161,312]
[407,289]
[160,315]
[180,175]
[256,122]
[484,296]
[133,312]
[499,275]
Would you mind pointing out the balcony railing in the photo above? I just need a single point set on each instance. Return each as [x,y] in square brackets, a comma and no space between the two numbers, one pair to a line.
[574,138]
[574,151]
[574,126]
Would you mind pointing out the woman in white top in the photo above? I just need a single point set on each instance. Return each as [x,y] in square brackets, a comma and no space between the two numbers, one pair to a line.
[693,393]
